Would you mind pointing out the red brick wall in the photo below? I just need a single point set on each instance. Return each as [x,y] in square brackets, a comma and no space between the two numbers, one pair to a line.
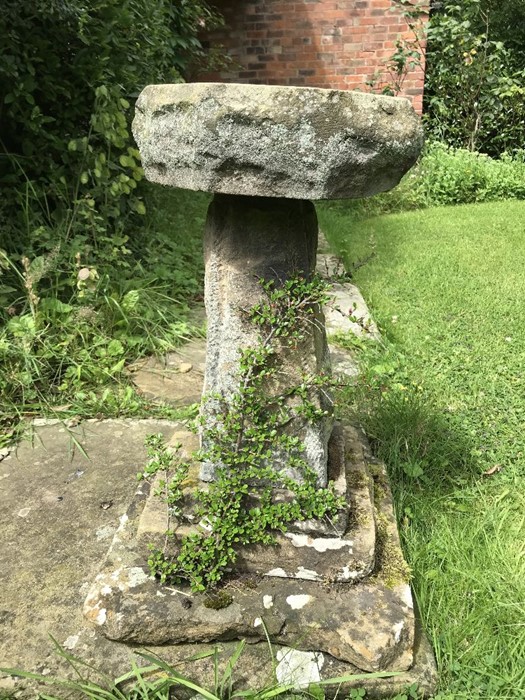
[318,43]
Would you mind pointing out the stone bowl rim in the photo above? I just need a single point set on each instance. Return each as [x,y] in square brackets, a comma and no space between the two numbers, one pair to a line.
[258,88]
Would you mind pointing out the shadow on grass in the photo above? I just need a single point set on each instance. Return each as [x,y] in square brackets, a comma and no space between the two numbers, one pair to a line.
[423,446]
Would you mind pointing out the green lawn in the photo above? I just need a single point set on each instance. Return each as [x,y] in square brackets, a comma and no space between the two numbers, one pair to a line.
[443,400]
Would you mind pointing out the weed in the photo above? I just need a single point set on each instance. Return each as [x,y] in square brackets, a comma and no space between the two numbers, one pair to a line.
[75,317]
[159,680]
[239,507]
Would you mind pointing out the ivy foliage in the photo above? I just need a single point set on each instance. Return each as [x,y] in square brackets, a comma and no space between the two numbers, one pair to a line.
[240,507]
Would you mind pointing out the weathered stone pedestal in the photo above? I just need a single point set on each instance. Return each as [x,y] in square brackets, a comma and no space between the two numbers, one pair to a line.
[248,240]
[337,588]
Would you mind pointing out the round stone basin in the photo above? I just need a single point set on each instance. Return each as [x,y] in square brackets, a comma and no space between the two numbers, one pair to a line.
[275,141]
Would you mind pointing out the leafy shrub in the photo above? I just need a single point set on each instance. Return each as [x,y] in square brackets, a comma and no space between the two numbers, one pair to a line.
[475,82]
[457,176]
[69,72]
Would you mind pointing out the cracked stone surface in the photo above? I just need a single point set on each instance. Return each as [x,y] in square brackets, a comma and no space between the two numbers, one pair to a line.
[273,141]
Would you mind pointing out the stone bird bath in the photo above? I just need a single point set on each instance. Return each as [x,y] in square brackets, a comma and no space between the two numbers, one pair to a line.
[265,152]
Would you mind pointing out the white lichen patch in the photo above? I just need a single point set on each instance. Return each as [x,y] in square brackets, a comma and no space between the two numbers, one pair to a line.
[296,602]
[281,573]
[257,622]
[116,574]
[105,590]
[123,521]
[104,533]
[298,668]
[136,576]
[307,574]
[93,609]
[101,616]
[397,629]
[348,574]
[405,594]
[267,602]
[71,641]
[320,544]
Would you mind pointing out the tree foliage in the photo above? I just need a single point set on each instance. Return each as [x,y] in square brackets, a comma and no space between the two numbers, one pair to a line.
[69,73]
[506,23]
[475,79]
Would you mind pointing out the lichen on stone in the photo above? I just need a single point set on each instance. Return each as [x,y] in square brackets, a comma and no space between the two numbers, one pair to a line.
[379,477]
[357,516]
[356,479]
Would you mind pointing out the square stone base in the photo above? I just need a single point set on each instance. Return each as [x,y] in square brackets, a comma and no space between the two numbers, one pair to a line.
[338,627]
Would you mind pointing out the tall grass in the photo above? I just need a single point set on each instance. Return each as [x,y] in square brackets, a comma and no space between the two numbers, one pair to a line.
[76,310]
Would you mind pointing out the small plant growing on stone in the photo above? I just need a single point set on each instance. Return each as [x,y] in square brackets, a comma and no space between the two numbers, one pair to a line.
[164,460]
[239,507]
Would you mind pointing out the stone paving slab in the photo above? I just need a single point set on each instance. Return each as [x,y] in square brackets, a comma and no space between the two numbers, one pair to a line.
[176,377]
[59,511]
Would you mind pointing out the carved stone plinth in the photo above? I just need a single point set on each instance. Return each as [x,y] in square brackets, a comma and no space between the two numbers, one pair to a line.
[347,595]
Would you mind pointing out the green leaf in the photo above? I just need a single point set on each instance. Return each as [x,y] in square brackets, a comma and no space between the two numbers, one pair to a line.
[115,348]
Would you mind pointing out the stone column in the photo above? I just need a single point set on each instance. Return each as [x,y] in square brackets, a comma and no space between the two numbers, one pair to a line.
[249,239]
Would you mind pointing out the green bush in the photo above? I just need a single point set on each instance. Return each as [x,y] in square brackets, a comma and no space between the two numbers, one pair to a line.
[475,81]
[69,74]
[448,175]
[72,326]
[87,282]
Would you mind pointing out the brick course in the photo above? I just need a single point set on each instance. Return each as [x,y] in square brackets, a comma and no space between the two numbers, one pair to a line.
[339,44]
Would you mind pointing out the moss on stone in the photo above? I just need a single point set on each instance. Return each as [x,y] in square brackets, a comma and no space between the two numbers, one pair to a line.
[357,517]
[391,567]
[218,601]
[356,479]
[379,477]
